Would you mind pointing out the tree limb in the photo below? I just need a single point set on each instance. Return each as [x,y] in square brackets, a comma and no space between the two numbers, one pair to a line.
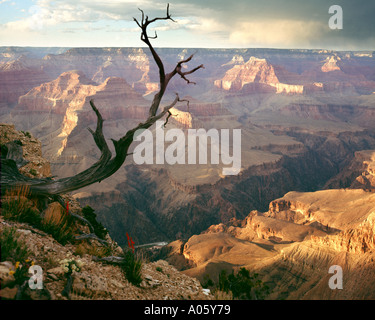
[110,259]
[106,165]
[91,236]
[164,79]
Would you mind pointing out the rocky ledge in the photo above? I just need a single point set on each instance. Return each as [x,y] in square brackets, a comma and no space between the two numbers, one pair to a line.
[39,242]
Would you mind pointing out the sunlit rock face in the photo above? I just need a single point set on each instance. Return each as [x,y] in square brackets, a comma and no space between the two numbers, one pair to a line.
[69,96]
[254,70]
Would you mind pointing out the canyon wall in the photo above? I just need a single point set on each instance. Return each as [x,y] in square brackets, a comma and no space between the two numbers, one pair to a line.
[302,114]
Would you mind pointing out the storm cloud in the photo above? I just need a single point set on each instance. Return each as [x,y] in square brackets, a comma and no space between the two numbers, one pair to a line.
[211,23]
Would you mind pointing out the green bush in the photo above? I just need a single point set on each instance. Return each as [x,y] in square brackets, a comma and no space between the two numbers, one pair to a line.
[61,228]
[207,281]
[132,268]
[17,207]
[27,134]
[33,172]
[90,215]
[12,248]
[242,285]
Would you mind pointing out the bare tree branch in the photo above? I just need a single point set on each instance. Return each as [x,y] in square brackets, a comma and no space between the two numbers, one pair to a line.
[91,236]
[106,165]
[163,78]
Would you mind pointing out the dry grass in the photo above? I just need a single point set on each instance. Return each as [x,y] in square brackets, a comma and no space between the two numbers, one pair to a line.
[93,250]
[59,224]
[16,205]
[222,295]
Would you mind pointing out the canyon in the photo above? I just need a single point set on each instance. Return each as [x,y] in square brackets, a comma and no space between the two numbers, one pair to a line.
[303,199]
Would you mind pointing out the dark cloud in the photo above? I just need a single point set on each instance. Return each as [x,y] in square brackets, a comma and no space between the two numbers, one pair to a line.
[358,28]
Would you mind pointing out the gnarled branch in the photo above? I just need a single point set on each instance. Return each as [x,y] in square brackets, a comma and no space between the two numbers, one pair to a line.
[164,78]
[106,165]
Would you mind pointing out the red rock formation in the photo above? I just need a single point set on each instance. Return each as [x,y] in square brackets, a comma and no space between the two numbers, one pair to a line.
[331,64]
[132,64]
[359,174]
[16,79]
[254,70]
[259,76]
[73,89]
[69,95]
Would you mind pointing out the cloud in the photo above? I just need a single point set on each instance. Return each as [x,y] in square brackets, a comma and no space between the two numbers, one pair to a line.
[279,33]
[293,22]
[266,23]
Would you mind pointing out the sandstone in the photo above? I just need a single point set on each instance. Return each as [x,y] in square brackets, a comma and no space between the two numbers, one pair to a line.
[17,79]
[117,284]
[56,272]
[25,232]
[8,293]
[87,284]
[254,70]
[358,174]
[331,64]
[306,259]
[34,165]
[68,97]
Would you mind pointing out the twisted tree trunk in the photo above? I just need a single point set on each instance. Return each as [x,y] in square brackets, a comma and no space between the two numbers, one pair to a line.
[106,165]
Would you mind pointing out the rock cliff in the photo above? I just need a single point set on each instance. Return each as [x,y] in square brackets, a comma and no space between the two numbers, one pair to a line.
[95,279]
[358,174]
[16,79]
[293,245]
[68,96]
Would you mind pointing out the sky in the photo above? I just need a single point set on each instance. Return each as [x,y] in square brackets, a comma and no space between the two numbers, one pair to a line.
[300,24]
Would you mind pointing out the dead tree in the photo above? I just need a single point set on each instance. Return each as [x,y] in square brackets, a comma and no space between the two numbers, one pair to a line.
[107,165]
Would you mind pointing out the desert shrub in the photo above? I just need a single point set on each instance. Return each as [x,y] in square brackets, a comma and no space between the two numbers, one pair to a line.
[100,252]
[60,231]
[207,281]
[242,285]
[17,207]
[3,150]
[12,247]
[59,225]
[33,172]
[132,267]
[93,250]
[27,134]
[90,215]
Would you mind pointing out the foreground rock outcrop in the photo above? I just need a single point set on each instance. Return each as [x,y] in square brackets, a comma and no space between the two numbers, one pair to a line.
[47,248]
[96,280]
[33,163]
